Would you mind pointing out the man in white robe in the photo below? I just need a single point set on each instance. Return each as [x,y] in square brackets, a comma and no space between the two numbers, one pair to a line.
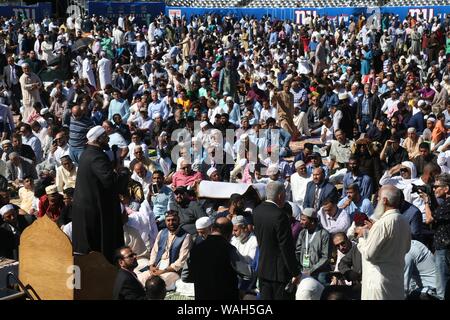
[299,181]
[104,70]
[383,246]
[88,72]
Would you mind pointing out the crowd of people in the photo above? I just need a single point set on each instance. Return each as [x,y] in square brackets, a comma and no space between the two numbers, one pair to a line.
[110,127]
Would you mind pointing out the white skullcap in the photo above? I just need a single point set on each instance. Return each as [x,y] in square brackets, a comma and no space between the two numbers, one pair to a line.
[5,209]
[202,80]
[238,220]
[211,171]
[202,223]
[44,111]
[51,189]
[309,212]
[309,289]
[164,133]
[299,163]
[94,133]
[343,96]
[229,99]
[203,124]
[273,169]
[421,103]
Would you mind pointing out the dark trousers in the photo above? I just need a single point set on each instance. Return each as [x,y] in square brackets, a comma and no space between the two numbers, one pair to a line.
[272,290]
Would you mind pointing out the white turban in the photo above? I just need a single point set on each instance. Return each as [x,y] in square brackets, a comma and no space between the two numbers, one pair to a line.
[5,209]
[94,133]
[202,223]
[273,169]
[211,171]
[203,124]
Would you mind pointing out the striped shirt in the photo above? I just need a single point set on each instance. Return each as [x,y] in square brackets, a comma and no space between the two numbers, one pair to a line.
[78,130]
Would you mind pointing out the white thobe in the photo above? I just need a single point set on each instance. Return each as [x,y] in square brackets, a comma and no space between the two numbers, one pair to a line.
[383,253]
[104,72]
[88,72]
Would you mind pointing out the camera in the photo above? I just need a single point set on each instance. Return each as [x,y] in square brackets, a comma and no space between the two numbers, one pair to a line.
[424,189]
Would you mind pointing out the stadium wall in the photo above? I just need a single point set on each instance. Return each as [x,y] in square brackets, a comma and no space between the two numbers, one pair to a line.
[298,14]
[37,11]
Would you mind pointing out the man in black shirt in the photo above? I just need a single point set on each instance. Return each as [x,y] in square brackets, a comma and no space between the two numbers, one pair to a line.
[392,153]
[425,157]
[127,285]
[439,219]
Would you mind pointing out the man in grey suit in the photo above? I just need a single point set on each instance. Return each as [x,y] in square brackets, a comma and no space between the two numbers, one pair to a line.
[17,169]
[11,75]
[320,57]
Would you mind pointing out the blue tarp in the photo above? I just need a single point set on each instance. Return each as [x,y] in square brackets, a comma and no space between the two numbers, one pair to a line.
[37,11]
[143,11]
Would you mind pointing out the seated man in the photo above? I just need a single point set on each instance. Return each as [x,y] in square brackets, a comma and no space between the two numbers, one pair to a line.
[313,246]
[12,225]
[318,190]
[353,202]
[284,138]
[332,218]
[170,252]
[350,263]
[66,174]
[185,177]
[420,268]
[18,169]
[188,210]
[143,176]
[127,285]
[244,240]
[355,176]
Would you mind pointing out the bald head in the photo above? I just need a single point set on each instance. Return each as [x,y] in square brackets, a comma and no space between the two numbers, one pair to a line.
[223,227]
[76,111]
[390,196]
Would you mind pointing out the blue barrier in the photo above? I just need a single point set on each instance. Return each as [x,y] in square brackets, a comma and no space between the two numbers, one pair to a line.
[143,11]
[37,11]
[298,14]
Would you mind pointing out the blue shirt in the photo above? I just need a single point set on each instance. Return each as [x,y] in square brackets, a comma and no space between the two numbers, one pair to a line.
[160,107]
[119,106]
[364,206]
[363,181]
[160,202]
[330,100]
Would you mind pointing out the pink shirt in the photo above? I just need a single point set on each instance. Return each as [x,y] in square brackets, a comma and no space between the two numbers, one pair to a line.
[179,179]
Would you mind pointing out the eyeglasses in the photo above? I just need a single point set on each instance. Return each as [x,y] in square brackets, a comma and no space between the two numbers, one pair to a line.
[341,244]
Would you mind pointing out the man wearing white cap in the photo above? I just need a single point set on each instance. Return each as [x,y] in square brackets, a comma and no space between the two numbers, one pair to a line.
[97,222]
[9,232]
[234,111]
[244,240]
[203,226]
[299,181]
[213,174]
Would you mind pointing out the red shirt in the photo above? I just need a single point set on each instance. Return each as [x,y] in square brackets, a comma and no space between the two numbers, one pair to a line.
[179,179]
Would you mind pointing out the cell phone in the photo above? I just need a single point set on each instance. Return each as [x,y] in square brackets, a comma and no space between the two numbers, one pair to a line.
[155,188]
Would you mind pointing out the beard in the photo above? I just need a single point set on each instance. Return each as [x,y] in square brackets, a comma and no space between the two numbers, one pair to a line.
[379,211]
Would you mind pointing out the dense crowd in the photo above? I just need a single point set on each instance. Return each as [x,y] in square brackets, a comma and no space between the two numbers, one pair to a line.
[111,128]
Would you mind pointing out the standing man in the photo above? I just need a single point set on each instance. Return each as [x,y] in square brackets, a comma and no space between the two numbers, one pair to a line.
[214,264]
[31,86]
[97,222]
[285,108]
[383,246]
[104,70]
[321,57]
[277,263]
[11,74]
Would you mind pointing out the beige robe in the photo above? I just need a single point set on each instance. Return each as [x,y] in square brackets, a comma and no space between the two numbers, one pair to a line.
[383,257]
[30,94]
[285,110]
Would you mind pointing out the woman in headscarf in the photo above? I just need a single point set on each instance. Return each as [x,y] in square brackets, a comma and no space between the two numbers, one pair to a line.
[407,171]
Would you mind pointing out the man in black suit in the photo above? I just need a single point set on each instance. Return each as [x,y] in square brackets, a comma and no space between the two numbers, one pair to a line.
[215,265]
[318,190]
[124,83]
[277,265]
[127,285]
[367,109]
[11,75]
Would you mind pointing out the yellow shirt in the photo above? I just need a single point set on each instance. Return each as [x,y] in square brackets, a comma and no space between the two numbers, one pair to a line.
[26,199]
